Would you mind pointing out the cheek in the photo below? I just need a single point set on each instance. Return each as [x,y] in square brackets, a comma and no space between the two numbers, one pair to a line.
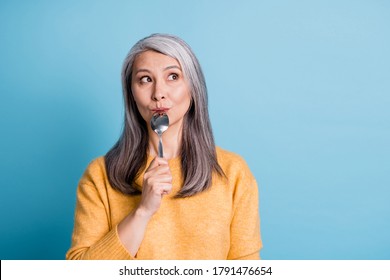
[139,98]
[183,98]
[188,102]
[136,99]
[141,104]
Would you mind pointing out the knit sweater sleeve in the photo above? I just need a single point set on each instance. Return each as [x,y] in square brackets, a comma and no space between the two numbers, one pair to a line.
[245,226]
[93,236]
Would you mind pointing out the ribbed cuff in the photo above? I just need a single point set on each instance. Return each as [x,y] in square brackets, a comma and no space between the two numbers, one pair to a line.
[109,248]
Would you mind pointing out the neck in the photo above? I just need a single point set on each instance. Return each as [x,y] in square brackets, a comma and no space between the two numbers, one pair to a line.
[171,140]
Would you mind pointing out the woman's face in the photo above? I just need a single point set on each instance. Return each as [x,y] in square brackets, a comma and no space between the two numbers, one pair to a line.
[158,86]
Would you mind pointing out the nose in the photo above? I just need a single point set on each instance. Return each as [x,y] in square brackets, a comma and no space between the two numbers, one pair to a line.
[159,91]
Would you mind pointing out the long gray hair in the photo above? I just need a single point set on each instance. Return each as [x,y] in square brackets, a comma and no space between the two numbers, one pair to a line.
[127,158]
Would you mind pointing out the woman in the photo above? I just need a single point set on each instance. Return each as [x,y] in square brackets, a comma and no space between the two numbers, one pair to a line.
[198,202]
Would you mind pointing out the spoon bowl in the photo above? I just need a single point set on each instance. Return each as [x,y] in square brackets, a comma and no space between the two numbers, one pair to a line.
[159,124]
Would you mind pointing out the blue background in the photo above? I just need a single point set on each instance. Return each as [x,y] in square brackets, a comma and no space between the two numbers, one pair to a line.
[299,88]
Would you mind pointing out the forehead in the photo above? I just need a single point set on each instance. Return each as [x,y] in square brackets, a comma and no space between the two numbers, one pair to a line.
[154,60]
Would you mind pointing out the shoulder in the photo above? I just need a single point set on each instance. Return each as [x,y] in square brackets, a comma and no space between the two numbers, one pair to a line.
[240,179]
[227,159]
[233,165]
[95,171]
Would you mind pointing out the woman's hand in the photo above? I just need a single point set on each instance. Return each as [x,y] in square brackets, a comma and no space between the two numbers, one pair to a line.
[157,182]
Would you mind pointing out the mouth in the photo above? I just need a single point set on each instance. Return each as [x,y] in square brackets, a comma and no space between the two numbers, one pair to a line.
[160,110]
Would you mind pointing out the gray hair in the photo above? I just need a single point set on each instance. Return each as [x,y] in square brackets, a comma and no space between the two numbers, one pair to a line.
[127,158]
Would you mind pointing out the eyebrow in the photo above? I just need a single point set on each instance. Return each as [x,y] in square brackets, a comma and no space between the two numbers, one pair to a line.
[165,69]
[171,67]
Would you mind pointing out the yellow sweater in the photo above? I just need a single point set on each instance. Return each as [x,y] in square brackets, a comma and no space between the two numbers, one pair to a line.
[220,223]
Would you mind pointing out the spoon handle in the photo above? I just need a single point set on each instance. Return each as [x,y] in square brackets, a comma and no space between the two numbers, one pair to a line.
[160,147]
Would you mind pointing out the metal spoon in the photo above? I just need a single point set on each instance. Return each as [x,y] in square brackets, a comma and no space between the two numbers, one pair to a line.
[159,124]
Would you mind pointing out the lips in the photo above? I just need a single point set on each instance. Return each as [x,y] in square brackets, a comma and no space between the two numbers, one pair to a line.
[160,110]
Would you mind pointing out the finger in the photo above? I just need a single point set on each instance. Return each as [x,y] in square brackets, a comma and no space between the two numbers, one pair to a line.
[165,189]
[160,189]
[161,170]
[157,181]
[161,161]
[157,170]
[165,193]
[156,175]
[157,161]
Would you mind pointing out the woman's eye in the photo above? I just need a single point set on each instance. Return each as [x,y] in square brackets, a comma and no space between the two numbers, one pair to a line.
[145,79]
[173,77]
